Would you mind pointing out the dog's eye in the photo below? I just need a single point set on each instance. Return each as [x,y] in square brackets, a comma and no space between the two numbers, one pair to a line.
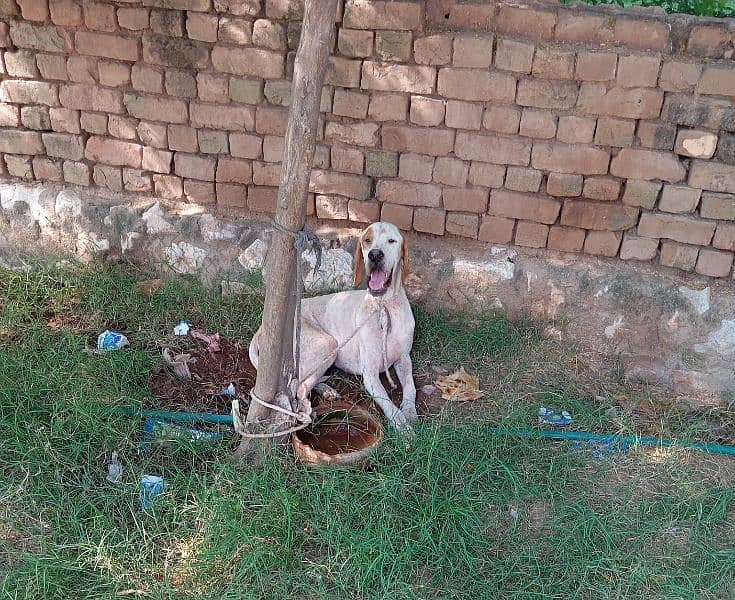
[391,241]
[368,241]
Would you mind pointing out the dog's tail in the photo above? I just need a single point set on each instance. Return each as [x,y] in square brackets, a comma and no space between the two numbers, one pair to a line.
[254,350]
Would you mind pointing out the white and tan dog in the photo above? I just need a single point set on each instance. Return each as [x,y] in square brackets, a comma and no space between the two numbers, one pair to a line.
[344,329]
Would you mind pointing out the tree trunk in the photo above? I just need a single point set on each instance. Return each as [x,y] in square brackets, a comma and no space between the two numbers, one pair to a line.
[275,366]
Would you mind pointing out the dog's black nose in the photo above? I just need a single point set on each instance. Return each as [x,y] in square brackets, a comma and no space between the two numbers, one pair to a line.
[375,256]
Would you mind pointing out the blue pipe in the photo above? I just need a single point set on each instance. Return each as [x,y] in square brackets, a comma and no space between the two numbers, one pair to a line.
[514,432]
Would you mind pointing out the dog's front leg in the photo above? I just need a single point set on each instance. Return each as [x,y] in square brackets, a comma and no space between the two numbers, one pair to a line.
[404,370]
[375,388]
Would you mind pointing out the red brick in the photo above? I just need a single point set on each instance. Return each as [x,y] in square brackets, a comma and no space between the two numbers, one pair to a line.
[714,263]
[232,170]
[93,123]
[113,152]
[416,167]
[525,21]
[436,142]
[28,92]
[409,194]
[564,185]
[213,88]
[358,134]
[602,243]
[551,63]
[244,145]
[234,196]
[709,41]
[168,186]
[462,224]
[361,211]
[563,158]
[229,118]
[181,83]
[679,198]
[714,176]
[642,34]
[646,164]
[486,175]
[85,97]
[45,169]
[600,217]
[678,256]
[235,31]
[718,206]
[541,93]
[82,69]
[472,51]
[203,27]
[158,161]
[601,188]
[491,148]
[596,66]
[122,127]
[342,184]
[448,13]
[350,104]
[19,166]
[199,192]
[153,134]
[465,199]
[76,173]
[496,230]
[503,119]
[182,138]
[33,10]
[566,239]
[724,236]
[147,79]
[512,55]
[431,50]
[39,37]
[114,74]
[429,220]
[528,207]
[719,81]
[262,199]
[269,34]
[632,103]
[248,61]
[135,19]
[21,63]
[99,16]
[136,181]
[400,216]
[388,107]
[63,145]
[169,23]
[659,136]
[585,27]
[248,7]
[107,46]
[427,111]
[343,72]
[355,43]
[331,207]
[65,13]
[450,171]
[476,84]
[9,115]
[194,167]
[538,124]
[398,78]
[523,179]
[614,132]
[63,120]
[463,115]
[375,14]
[271,120]
[675,227]
[679,76]
[575,130]
[156,109]
[531,235]
[638,248]
[638,71]
[641,193]
[347,160]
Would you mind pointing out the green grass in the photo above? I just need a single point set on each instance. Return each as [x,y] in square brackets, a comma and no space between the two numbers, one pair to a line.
[702,8]
[458,514]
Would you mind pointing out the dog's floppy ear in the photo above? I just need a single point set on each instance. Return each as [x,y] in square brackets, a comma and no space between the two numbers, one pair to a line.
[404,261]
[359,264]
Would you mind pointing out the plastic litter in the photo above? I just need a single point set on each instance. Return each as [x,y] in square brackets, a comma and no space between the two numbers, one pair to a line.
[230,391]
[151,486]
[548,416]
[111,340]
[179,364]
[158,431]
[114,470]
[603,448]
[182,328]
[212,341]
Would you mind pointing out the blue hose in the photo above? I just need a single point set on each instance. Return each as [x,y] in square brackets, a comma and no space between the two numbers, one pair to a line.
[514,432]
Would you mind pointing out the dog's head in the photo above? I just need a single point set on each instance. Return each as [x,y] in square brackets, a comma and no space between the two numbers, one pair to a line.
[381,253]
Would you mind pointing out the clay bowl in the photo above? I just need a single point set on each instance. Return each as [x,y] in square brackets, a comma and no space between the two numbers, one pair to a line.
[342,434]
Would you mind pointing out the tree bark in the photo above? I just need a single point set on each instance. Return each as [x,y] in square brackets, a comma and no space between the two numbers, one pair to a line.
[275,366]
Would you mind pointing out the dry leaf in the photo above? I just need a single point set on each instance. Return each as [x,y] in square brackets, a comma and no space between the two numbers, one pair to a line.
[459,386]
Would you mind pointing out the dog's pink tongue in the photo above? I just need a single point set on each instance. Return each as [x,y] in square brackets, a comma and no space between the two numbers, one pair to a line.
[377,280]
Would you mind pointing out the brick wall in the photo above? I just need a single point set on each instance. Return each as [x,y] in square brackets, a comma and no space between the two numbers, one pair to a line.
[576,129]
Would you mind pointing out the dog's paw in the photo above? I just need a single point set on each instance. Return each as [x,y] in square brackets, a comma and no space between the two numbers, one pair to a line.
[409,411]
[401,423]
